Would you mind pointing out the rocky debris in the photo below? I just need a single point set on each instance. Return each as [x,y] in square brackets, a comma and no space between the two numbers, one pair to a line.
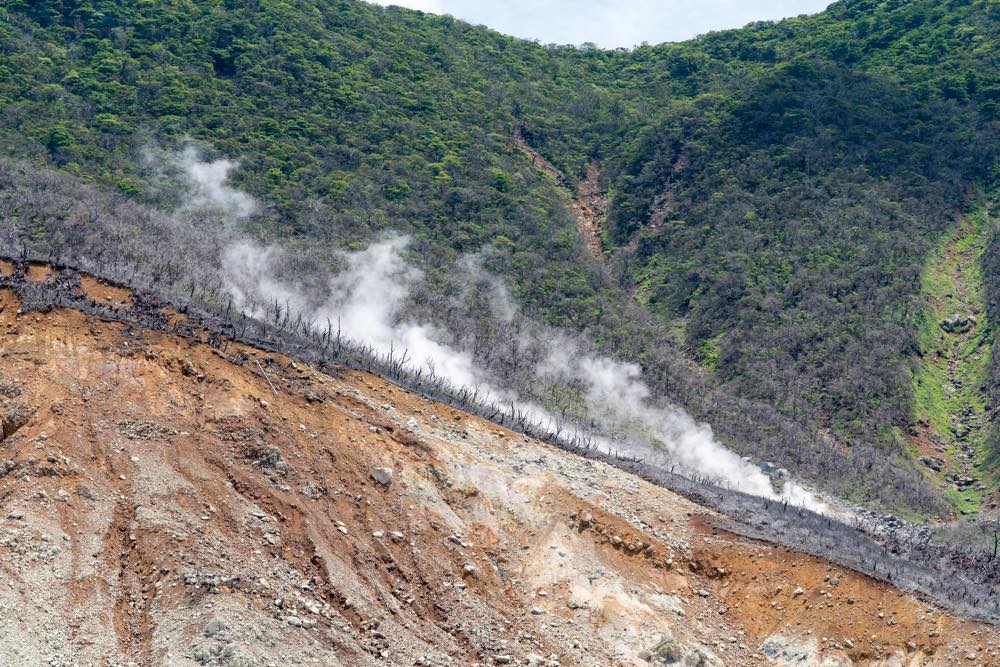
[935,463]
[144,430]
[10,388]
[535,660]
[213,582]
[670,651]
[13,415]
[958,323]
[215,626]
[790,651]
[296,622]
[264,455]
[965,483]
[188,369]
[382,475]
[311,397]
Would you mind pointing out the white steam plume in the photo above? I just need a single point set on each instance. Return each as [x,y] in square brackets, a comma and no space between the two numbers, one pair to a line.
[617,396]
[207,182]
[366,301]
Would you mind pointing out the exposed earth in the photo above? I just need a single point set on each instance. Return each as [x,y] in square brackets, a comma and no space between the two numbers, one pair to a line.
[168,503]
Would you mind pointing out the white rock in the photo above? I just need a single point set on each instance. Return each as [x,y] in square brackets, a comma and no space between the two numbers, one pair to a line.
[382,475]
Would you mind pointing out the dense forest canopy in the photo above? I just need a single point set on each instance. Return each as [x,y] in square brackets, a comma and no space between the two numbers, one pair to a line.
[775,192]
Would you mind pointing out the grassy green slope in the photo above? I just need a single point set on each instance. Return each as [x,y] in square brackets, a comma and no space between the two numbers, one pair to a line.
[955,343]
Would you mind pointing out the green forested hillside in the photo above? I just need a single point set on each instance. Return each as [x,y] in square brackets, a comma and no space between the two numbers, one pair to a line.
[775,192]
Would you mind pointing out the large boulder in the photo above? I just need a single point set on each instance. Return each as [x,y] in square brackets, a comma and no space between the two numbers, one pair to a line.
[958,324]
[382,475]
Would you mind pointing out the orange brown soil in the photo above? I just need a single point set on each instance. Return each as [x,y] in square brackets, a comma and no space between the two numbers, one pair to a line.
[588,206]
[102,292]
[589,209]
[173,317]
[926,442]
[161,505]
[40,272]
[775,590]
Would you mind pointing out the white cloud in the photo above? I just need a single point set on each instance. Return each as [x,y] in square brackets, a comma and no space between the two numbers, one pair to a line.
[613,23]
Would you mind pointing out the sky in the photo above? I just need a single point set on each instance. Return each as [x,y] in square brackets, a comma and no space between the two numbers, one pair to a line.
[612,23]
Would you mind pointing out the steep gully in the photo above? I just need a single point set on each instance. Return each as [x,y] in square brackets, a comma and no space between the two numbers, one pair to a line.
[588,206]
[955,341]
[951,412]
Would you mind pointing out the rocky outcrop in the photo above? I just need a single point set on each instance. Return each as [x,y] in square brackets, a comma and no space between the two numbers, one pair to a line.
[958,324]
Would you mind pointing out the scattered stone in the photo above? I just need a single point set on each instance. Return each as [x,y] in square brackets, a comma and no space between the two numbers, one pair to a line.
[382,475]
[215,627]
[14,416]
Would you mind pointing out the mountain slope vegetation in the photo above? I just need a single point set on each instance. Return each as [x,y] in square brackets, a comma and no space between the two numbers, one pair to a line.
[775,192]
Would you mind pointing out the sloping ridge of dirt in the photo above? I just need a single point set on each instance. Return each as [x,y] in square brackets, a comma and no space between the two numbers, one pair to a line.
[589,209]
[167,502]
[588,205]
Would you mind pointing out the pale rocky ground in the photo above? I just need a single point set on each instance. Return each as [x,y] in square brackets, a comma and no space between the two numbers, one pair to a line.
[163,505]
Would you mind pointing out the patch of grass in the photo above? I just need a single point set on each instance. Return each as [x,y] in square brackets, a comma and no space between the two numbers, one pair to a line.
[708,352]
[949,403]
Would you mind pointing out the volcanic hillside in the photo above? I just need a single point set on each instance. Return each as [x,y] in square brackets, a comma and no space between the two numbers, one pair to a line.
[167,502]
[773,222]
